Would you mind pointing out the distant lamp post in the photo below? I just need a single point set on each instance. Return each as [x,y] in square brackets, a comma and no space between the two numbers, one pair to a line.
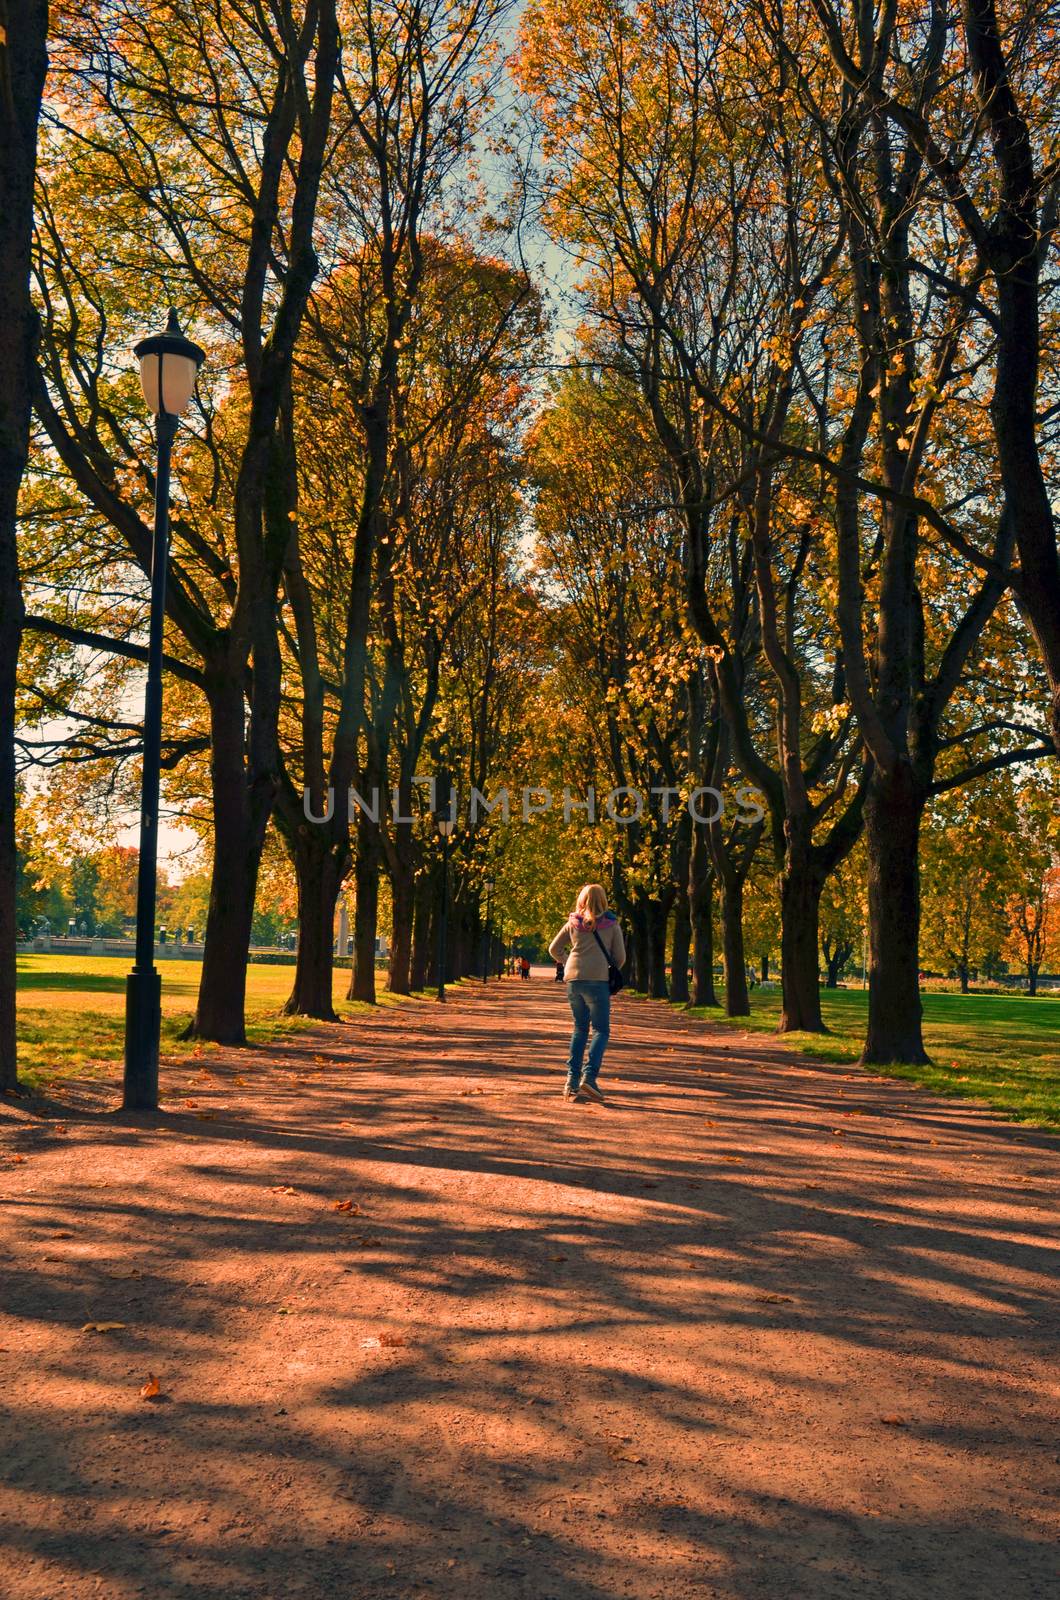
[169,365]
[486,955]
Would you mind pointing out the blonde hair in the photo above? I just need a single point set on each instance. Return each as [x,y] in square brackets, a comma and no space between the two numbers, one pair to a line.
[591,903]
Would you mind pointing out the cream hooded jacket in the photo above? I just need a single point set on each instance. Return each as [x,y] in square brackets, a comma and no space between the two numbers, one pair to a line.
[586,960]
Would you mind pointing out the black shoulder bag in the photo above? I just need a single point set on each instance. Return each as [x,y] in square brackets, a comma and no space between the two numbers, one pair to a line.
[615,979]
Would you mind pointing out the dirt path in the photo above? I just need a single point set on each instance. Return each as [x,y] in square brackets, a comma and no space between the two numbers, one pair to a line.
[758,1328]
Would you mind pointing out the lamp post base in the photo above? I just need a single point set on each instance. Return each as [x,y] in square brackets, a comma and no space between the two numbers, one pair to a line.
[143,1022]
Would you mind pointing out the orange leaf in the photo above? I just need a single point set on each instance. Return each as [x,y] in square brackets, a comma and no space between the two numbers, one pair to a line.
[893,1422]
[393,1341]
[101,1327]
[346,1205]
[150,1388]
[18,1159]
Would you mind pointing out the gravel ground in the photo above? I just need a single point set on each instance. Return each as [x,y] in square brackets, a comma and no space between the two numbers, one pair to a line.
[757,1328]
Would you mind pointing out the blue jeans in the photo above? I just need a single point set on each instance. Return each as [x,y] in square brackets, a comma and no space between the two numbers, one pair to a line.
[590,1003]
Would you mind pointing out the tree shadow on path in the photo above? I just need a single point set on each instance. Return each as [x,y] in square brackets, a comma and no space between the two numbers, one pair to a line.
[757,1328]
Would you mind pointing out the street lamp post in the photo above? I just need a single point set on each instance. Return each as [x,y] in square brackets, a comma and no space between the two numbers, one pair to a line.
[489,912]
[169,364]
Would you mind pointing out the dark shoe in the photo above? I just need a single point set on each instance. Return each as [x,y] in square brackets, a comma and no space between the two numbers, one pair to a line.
[592,1093]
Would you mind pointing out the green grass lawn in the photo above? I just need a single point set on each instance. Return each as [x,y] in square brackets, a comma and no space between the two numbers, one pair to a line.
[1002,1049]
[71,1009]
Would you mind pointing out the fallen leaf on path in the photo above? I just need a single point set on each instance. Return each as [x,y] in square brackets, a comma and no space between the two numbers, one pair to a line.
[191,1104]
[282,1188]
[132,1272]
[18,1159]
[775,1299]
[648,1183]
[557,1258]
[346,1205]
[631,1460]
[708,1122]
[206,1116]
[463,1093]
[64,1235]
[240,1083]
[811,1185]
[101,1327]
[393,1341]
[893,1422]
[150,1388]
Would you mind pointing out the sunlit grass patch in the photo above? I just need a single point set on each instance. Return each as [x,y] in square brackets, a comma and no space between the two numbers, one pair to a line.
[71,1010]
[1001,1049]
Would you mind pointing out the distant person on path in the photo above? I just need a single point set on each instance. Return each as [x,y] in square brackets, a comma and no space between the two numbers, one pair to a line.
[592,935]
[524,967]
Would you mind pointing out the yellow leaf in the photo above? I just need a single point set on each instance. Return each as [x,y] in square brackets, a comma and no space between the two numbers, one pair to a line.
[101,1327]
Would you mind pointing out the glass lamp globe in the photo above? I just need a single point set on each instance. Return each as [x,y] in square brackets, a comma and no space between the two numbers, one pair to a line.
[169,365]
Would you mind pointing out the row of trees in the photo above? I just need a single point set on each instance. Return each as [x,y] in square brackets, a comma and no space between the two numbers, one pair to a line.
[818,240]
[784,524]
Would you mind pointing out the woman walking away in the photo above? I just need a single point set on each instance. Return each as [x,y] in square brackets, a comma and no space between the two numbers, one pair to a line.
[592,935]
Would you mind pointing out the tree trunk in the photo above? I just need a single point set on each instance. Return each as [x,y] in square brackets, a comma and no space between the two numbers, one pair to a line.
[365,911]
[24,63]
[764,972]
[403,897]
[422,932]
[658,917]
[240,817]
[701,907]
[737,1000]
[800,899]
[893,809]
[641,944]
[1032,979]
[835,956]
[681,856]
[962,973]
[1014,413]
[318,889]
[679,993]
